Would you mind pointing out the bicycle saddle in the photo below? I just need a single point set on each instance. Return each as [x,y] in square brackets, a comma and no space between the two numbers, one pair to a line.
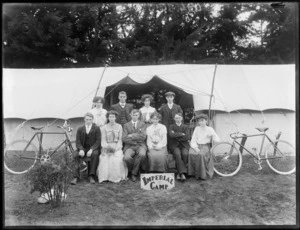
[37,128]
[262,129]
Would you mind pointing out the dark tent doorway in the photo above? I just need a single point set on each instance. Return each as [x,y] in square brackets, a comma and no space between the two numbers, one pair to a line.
[156,87]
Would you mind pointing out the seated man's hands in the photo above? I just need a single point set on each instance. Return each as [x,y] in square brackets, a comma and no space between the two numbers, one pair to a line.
[89,153]
[81,153]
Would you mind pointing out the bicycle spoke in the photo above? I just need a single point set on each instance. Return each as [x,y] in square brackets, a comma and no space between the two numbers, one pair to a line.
[18,159]
[227,159]
[281,157]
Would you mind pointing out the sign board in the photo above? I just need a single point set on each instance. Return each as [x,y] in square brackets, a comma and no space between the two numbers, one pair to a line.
[157,181]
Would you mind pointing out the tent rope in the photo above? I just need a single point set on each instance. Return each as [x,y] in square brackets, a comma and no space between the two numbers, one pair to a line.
[17,128]
[73,106]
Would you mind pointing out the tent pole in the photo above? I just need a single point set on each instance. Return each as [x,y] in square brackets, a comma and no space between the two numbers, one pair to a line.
[100,80]
[211,94]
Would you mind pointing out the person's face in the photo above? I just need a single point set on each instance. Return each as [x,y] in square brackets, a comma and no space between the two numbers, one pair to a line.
[147,102]
[202,122]
[178,119]
[98,104]
[88,120]
[122,98]
[170,99]
[155,120]
[111,118]
[135,116]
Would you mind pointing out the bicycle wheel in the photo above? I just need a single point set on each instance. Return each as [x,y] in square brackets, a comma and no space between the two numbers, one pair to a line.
[281,157]
[83,165]
[227,159]
[20,156]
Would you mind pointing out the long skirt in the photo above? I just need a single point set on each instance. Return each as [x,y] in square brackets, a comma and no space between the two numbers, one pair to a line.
[158,160]
[112,167]
[201,164]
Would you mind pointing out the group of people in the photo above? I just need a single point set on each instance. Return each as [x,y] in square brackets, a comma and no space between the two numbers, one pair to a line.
[124,142]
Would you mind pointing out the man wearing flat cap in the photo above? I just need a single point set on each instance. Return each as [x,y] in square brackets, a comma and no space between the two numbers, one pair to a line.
[169,110]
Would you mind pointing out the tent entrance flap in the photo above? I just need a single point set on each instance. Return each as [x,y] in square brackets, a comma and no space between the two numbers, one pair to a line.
[156,87]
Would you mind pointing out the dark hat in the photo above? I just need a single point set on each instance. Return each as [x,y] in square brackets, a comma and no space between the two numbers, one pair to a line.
[170,94]
[201,116]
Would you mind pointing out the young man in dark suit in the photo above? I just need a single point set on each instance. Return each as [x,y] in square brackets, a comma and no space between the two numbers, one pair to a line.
[88,139]
[169,110]
[179,145]
[123,109]
[134,138]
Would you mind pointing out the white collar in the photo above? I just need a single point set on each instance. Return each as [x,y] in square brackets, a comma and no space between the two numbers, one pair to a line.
[179,124]
[171,105]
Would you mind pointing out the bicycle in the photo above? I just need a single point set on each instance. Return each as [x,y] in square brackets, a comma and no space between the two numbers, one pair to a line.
[279,154]
[21,155]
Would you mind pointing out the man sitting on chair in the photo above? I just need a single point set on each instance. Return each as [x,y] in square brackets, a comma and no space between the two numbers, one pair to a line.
[88,140]
[134,137]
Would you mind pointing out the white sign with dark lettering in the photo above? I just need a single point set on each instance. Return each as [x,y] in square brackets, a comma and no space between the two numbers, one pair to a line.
[157,181]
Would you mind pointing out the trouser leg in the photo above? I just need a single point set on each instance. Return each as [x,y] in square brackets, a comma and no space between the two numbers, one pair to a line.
[93,163]
[138,160]
[181,166]
[76,165]
[128,158]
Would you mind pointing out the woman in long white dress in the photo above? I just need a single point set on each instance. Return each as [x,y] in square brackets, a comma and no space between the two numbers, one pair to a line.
[111,167]
[98,111]
[200,160]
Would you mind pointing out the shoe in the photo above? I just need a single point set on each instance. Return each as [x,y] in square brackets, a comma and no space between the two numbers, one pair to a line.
[133,178]
[92,180]
[183,177]
[74,181]
[178,177]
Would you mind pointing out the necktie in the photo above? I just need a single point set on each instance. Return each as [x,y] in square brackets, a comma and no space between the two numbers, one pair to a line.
[134,125]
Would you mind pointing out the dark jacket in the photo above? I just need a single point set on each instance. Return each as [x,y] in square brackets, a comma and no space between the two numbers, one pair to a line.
[138,135]
[95,137]
[117,107]
[164,111]
[177,139]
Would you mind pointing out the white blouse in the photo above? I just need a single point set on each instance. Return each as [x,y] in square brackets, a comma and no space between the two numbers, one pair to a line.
[156,134]
[99,116]
[146,112]
[203,135]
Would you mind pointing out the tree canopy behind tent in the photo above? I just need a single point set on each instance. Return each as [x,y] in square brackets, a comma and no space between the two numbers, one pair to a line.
[156,87]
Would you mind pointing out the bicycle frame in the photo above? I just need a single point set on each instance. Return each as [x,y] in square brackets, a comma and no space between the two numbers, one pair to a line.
[40,135]
[257,156]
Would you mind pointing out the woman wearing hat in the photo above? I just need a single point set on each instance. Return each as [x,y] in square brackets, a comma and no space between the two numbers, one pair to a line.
[147,110]
[111,167]
[157,145]
[200,161]
[98,112]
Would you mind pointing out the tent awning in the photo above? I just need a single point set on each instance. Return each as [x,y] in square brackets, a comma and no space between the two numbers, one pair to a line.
[68,93]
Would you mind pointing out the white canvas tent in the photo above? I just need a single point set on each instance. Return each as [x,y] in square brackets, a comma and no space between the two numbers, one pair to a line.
[43,95]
